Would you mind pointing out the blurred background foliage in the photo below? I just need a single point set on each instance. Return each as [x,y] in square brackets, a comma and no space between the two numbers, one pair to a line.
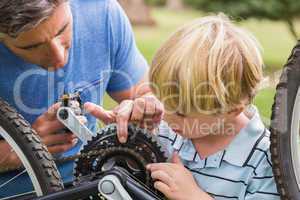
[266,19]
[280,10]
[156,2]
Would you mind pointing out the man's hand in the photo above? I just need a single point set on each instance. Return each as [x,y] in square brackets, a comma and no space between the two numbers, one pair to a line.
[175,181]
[146,111]
[9,159]
[50,129]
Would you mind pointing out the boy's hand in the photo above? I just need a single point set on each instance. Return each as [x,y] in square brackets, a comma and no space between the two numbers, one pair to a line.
[48,127]
[146,111]
[175,181]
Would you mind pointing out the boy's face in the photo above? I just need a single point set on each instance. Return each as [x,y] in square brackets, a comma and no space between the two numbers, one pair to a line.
[199,126]
[46,45]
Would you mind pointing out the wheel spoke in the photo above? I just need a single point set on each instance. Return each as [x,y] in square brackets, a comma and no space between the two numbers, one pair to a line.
[13,178]
[17,137]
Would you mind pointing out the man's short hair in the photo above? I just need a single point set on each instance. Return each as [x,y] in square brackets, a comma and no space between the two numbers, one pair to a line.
[17,16]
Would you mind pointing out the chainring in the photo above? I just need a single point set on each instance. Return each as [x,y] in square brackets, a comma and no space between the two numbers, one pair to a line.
[140,149]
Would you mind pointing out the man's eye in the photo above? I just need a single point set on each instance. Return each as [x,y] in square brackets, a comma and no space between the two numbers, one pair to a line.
[29,48]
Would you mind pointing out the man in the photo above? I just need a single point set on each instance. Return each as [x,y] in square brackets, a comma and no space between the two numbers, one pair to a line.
[48,47]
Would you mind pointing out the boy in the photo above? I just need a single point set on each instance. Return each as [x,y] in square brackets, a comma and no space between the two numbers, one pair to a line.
[206,75]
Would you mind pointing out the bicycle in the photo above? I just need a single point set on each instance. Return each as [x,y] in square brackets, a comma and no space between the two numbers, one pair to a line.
[104,169]
[47,184]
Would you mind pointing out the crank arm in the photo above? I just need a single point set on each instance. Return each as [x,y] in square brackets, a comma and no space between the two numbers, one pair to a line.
[66,116]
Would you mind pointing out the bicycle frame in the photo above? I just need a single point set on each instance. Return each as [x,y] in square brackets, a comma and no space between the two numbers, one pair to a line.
[130,188]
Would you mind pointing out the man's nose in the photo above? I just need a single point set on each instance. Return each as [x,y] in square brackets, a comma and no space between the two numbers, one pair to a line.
[57,52]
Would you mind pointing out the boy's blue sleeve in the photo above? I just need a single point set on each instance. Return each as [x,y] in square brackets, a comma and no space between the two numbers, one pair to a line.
[263,185]
[128,64]
[168,140]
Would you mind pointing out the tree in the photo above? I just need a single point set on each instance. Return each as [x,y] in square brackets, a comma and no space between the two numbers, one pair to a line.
[283,10]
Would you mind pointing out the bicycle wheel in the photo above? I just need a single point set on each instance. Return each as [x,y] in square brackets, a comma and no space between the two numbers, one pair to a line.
[36,160]
[285,129]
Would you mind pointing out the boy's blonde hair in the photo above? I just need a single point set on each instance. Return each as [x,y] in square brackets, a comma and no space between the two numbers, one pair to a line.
[209,66]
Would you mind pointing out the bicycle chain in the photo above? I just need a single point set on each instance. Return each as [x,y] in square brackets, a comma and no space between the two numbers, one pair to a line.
[141,147]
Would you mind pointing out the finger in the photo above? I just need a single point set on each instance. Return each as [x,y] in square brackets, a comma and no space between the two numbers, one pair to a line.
[82,119]
[15,161]
[149,124]
[104,115]
[167,167]
[157,119]
[56,139]
[116,109]
[162,187]
[44,127]
[149,114]
[150,108]
[61,148]
[159,112]
[176,159]
[50,114]
[123,116]
[138,110]
[163,177]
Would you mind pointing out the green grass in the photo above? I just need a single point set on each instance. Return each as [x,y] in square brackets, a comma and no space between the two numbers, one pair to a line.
[274,37]
[108,102]
[149,39]
[264,102]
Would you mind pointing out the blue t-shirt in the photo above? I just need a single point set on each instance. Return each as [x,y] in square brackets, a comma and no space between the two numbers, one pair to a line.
[103,52]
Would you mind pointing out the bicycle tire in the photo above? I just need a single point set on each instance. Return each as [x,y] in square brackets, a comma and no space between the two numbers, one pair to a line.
[281,119]
[34,155]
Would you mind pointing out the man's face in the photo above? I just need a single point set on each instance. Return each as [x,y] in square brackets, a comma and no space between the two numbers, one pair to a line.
[48,44]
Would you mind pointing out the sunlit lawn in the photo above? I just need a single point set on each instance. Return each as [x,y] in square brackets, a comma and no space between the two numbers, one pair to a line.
[274,37]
